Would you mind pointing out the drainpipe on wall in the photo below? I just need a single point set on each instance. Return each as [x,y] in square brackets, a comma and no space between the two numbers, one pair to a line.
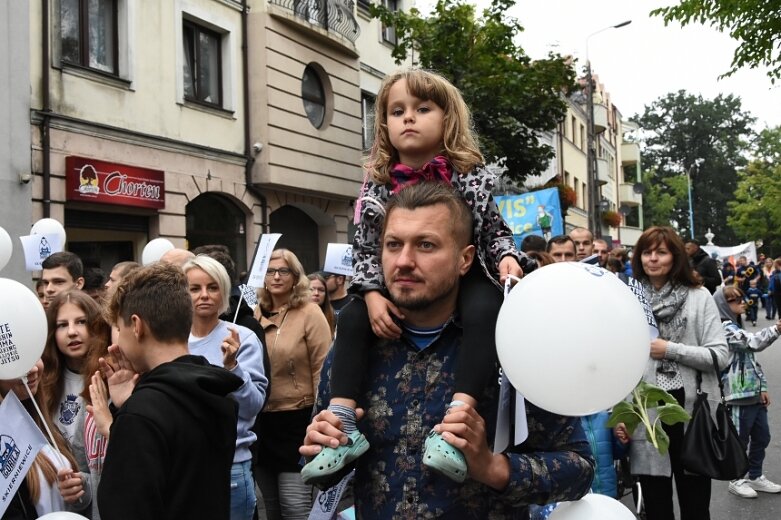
[250,160]
[46,111]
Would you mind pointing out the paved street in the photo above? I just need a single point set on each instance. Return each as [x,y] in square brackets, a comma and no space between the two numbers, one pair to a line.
[724,505]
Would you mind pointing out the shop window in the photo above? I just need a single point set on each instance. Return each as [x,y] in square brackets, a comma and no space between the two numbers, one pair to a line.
[88,32]
[202,64]
[313,95]
[367,116]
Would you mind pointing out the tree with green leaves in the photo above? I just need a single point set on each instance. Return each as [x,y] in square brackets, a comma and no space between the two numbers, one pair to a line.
[708,139]
[755,24]
[512,97]
[755,213]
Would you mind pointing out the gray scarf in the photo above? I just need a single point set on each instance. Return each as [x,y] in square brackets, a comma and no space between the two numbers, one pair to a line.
[667,304]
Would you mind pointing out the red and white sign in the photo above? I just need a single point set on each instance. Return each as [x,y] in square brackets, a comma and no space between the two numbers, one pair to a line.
[89,180]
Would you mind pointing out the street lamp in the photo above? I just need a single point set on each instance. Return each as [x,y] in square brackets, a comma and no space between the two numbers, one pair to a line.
[591,153]
[696,164]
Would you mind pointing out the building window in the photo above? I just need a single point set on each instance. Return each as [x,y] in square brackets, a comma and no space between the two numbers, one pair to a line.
[313,94]
[582,137]
[574,129]
[202,64]
[389,33]
[584,191]
[88,30]
[367,116]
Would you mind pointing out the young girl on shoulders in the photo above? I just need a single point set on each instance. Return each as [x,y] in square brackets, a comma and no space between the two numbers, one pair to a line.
[423,132]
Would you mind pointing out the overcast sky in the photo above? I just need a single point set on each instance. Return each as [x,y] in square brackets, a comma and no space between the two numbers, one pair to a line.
[644,60]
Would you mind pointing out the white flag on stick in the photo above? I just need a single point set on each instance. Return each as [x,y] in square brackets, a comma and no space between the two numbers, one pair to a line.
[257,276]
[38,248]
[20,442]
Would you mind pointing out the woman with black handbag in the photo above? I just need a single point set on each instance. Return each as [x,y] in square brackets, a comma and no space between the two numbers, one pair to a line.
[689,330]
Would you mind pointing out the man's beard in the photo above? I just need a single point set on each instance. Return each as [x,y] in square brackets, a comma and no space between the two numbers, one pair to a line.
[424,301]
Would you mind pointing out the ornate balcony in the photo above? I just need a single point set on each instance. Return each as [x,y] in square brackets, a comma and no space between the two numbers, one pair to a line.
[332,15]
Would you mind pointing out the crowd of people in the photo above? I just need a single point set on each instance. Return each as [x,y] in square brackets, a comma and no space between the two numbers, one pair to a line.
[169,397]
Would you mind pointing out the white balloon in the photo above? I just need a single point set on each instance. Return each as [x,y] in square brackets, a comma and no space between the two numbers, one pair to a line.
[155,249]
[592,507]
[22,329]
[61,515]
[49,226]
[572,338]
[6,248]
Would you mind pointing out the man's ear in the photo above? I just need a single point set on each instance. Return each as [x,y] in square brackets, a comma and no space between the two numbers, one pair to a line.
[79,282]
[466,257]
[139,328]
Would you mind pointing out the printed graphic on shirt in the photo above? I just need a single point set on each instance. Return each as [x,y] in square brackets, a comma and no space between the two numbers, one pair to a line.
[69,409]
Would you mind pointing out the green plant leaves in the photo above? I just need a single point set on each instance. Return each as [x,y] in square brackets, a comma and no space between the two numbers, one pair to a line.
[647,397]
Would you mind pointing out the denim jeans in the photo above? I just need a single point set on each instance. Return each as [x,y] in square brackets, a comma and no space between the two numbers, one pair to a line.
[243,499]
[753,430]
[285,496]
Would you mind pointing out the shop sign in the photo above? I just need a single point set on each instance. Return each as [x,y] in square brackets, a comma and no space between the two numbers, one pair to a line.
[89,180]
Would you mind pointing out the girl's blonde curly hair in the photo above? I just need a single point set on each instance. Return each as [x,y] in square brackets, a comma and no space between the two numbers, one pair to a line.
[459,145]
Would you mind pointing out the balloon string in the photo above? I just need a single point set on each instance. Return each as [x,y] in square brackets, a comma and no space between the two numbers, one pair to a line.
[508,283]
[52,443]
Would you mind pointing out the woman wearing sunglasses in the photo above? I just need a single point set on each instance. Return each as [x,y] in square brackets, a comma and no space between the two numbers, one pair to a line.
[297,338]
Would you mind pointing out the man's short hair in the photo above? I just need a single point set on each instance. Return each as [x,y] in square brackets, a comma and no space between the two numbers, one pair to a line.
[66,259]
[424,194]
[692,241]
[559,239]
[533,243]
[123,268]
[158,294]
[223,258]
[580,229]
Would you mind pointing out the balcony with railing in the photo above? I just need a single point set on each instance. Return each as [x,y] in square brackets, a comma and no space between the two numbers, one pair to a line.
[335,16]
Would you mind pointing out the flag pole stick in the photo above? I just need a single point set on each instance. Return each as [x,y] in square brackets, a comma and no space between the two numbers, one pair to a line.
[44,421]
[241,298]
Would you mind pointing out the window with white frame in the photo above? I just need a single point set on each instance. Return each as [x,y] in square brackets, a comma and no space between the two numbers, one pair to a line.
[389,32]
[88,34]
[202,64]
[367,116]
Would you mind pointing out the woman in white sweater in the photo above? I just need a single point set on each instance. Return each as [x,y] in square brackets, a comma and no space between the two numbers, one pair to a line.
[689,330]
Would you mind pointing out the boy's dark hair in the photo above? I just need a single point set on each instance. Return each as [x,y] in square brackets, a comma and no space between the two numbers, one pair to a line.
[559,239]
[94,278]
[158,294]
[533,243]
[424,194]
[66,259]
[224,259]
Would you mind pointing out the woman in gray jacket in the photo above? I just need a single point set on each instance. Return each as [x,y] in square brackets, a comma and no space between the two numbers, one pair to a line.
[689,329]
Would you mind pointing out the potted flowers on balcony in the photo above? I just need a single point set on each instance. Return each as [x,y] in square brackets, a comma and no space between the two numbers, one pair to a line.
[567,195]
[611,218]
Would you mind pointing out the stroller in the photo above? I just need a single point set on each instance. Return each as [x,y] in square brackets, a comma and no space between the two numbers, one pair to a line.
[628,483]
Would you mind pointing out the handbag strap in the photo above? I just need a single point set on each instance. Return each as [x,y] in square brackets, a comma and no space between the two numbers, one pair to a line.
[718,376]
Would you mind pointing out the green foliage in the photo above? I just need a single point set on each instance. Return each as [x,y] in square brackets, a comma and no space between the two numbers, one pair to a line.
[512,97]
[755,24]
[709,138]
[646,397]
[755,212]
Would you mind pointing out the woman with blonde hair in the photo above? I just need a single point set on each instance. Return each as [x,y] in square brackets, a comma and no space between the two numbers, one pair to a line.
[298,338]
[238,350]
